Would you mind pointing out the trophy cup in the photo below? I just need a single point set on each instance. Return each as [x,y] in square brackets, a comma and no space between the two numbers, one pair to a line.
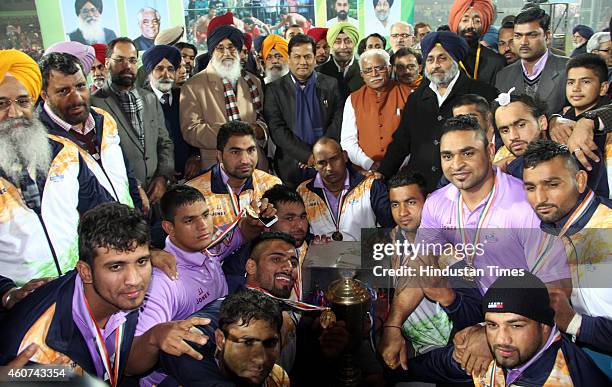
[350,303]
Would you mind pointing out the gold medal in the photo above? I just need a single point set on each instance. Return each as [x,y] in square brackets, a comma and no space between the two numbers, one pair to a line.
[327,318]
[337,236]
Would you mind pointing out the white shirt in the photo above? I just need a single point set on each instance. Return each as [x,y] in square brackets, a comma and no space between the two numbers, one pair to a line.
[349,139]
[159,94]
[442,98]
[334,21]
[345,69]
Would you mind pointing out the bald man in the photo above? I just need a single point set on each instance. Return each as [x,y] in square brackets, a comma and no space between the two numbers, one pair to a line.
[340,202]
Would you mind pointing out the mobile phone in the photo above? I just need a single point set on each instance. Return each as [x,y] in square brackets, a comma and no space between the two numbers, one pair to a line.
[268,222]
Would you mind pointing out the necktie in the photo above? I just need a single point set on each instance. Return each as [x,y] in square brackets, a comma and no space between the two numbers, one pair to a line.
[165,99]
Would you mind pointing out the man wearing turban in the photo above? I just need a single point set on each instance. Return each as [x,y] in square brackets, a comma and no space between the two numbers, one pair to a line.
[580,36]
[90,30]
[275,56]
[51,154]
[343,38]
[418,133]
[85,54]
[471,19]
[221,92]
[99,73]
[319,35]
[161,64]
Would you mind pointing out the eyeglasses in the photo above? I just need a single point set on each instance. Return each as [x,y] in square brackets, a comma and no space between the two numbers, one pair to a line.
[607,50]
[121,61]
[22,102]
[401,67]
[404,35]
[221,49]
[87,11]
[275,56]
[379,69]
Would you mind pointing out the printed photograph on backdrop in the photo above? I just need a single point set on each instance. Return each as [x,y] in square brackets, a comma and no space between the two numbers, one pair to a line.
[90,21]
[254,16]
[341,11]
[145,18]
[380,15]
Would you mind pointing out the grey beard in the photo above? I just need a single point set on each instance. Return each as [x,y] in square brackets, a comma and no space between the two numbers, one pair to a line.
[231,73]
[92,32]
[164,86]
[24,144]
[447,78]
[273,74]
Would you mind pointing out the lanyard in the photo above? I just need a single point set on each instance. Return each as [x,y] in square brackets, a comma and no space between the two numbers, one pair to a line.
[113,373]
[484,215]
[475,65]
[340,207]
[234,200]
[297,286]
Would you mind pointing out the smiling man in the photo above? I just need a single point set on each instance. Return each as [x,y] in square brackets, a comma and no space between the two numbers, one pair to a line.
[148,23]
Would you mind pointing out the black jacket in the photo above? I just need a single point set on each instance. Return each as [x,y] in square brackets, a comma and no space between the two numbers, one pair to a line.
[279,112]
[348,83]
[490,63]
[418,133]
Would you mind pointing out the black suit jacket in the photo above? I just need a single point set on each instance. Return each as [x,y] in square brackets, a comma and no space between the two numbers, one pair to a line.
[279,112]
[418,133]
[490,64]
[348,83]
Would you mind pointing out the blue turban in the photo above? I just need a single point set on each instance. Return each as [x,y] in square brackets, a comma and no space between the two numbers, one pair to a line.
[584,31]
[258,42]
[156,54]
[455,45]
[225,32]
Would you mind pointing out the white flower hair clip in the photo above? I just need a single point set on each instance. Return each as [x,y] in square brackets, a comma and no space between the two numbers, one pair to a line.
[504,98]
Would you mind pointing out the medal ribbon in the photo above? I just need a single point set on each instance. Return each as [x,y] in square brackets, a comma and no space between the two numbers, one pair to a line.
[297,285]
[113,373]
[340,208]
[219,238]
[234,200]
[294,305]
[475,65]
[484,215]
[578,212]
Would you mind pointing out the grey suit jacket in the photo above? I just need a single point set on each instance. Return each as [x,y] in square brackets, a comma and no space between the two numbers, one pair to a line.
[551,88]
[157,156]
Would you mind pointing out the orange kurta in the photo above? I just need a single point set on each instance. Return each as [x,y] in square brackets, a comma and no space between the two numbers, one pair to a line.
[377,115]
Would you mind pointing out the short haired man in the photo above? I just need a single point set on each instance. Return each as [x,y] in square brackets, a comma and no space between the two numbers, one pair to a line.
[161,64]
[293,30]
[505,42]
[188,54]
[370,42]
[301,107]
[420,30]
[140,120]
[340,202]
[90,29]
[429,106]
[342,9]
[232,184]
[519,121]
[401,35]
[244,344]
[322,48]
[557,190]
[99,72]
[149,20]
[580,36]
[221,93]
[407,66]
[539,73]
[343,39]
[274,51]
[292,220]
[527,346]
[199,255]
[471,20]
[479,107]
[66,318]
[372,113]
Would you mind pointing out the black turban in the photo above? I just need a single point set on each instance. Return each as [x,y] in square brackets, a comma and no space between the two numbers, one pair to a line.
[78,4]
[455,45]
[156,54]
[225,32]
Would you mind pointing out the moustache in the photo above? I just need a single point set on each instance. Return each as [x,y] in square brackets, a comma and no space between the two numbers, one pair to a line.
[165,80]
[376,79]
[544,205]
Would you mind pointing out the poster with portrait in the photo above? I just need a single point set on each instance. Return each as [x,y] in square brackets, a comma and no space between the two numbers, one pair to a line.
[90,21]
[145,18]
[380,15]
[342,11]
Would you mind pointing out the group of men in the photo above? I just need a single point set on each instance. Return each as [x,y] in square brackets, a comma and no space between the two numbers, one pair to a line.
[155,223]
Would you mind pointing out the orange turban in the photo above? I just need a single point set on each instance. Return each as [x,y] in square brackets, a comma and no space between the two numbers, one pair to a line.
[23,68]
[460,7]
[275,42]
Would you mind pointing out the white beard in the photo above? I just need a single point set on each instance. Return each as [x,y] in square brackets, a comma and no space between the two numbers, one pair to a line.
[446,79]
[230,72]
[24,144]
[274,74]
[92,32]
[162,84]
